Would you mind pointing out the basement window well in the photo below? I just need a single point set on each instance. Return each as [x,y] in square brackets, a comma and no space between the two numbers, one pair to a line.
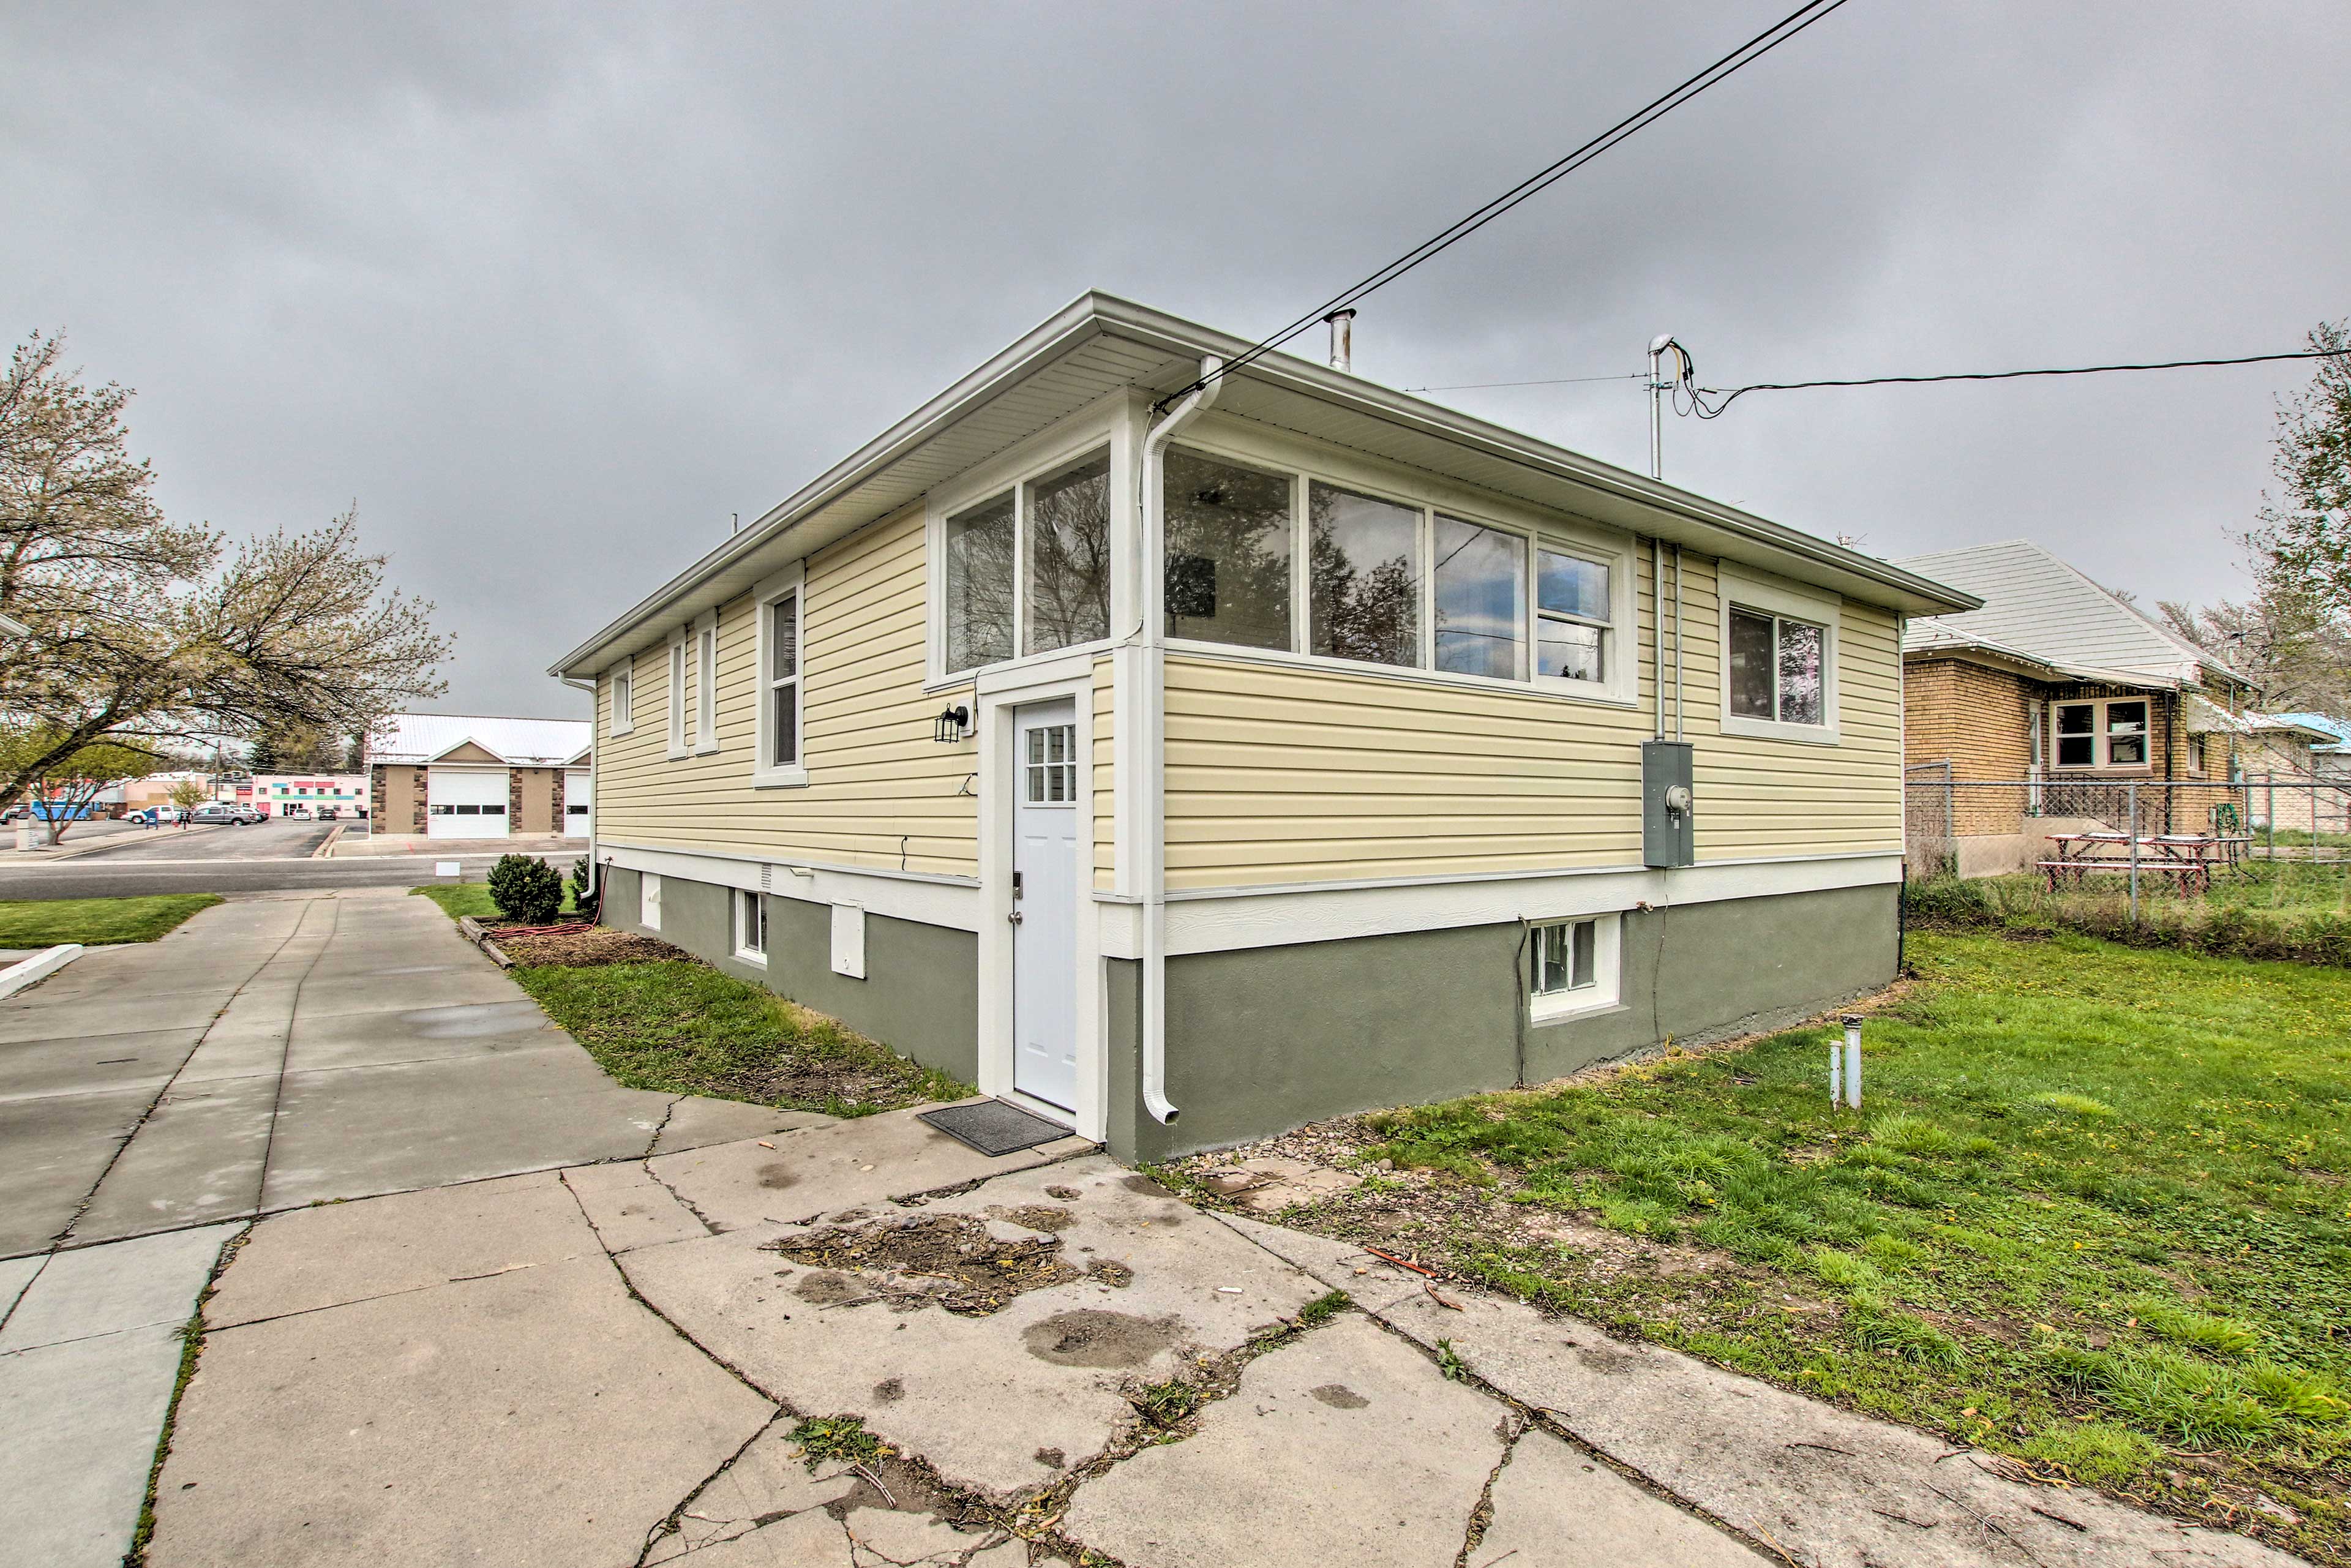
[1572,967]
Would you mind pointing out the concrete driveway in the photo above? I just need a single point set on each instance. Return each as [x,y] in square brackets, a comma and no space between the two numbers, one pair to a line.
[274,1052]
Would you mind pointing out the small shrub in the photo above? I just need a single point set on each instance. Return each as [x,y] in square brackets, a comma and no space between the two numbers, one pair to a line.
[526,888]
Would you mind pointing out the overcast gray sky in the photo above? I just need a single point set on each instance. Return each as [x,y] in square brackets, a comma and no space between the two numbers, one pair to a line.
[550,290]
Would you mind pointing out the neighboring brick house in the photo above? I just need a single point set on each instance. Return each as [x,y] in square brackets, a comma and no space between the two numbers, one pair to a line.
[2063,692]
[464,776]
[2292,765]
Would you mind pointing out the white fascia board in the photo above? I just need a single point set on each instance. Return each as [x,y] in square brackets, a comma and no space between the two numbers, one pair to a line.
[1218,920]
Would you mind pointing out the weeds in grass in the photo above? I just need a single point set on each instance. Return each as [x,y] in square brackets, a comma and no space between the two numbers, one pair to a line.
[2096,1218]
[1449,1362]
[837,1439]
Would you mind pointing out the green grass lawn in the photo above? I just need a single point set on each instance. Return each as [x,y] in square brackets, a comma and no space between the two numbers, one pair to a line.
[2093,1214]
[456,898]
[682,1026]
[46,922]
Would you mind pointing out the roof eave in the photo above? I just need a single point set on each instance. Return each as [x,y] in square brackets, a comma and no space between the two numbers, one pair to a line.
[1093,314]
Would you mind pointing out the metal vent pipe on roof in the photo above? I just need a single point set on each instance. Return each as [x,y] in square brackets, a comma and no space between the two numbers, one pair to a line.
[1342,339]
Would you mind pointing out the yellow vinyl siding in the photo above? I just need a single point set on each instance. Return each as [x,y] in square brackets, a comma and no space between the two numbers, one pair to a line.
[1281,773]
[1105,772]
[880,792]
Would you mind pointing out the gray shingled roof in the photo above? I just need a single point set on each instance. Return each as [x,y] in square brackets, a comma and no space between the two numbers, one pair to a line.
[2036,604]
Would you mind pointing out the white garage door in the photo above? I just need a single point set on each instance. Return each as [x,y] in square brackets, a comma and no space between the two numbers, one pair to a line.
[577,791]
[464,805]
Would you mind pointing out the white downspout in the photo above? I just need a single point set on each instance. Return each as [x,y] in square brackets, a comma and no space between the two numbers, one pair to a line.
[595,871]
[1152,834]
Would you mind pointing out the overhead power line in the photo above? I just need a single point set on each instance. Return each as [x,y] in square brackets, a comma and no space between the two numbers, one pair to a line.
[1746,53]
[1555,382]
[1686,385]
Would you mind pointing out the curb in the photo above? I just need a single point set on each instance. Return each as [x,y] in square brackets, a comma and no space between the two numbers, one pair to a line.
[39,966]
[327,845]
[119,840]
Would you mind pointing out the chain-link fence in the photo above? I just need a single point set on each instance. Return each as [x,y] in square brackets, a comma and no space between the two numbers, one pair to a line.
[2138,837]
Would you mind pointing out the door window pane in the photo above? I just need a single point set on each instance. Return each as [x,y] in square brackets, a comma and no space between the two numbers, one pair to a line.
[1802,671]
[1228,553]
[1751,674]
[2125,733]
[1481,600]
[1363,581]
[979,585]
[1067,599]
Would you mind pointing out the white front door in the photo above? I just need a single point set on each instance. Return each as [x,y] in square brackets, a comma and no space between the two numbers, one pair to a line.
[464,804]
[1045,902]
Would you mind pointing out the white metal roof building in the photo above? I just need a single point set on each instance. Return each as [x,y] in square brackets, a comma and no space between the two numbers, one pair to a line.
[411,737]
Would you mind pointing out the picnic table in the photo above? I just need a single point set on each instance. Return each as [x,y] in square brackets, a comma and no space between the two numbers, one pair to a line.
[2187,859]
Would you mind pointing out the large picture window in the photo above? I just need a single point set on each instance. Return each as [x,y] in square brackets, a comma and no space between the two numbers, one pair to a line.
[979,557]
[1482,596]
[1387,582]
[1027,571]
[1066,593]
[1228,553]
[1363,571]
[2107,733]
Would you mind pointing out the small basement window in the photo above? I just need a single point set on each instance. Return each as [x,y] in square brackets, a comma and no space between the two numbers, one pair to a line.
[751,925]
[1572,967]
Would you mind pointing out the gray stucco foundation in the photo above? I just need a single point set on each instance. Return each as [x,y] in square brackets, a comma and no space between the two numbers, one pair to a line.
[921,994]
[1262,1039]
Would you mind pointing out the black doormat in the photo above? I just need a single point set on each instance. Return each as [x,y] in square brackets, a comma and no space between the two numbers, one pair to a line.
[993,1127]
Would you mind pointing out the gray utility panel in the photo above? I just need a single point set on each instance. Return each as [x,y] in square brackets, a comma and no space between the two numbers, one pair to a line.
[1669,808]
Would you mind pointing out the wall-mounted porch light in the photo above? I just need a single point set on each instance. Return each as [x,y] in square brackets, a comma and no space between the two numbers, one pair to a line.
[952,726]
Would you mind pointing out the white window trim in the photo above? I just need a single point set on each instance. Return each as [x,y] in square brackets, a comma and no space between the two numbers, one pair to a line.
[738,901]
[620,681]
[679,663]
[1615,551]
[1038,459]
[1608,986]
[791,579]
[706,683]
[2099,738]
[1744,590]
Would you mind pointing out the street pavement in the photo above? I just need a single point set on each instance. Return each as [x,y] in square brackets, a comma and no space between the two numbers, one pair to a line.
[270,856]
[479,1305]
[277,838]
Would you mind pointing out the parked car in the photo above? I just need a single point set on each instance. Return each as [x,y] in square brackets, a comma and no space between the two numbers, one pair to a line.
[154,815]
[222,811]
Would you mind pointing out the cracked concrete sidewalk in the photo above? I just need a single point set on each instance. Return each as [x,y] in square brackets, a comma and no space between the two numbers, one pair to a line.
[606,1366]
[272,1052]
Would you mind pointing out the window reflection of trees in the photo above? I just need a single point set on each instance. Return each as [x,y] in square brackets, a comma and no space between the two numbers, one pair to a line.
[1362,586]
[979,549]
[1069,557]
[1228,577]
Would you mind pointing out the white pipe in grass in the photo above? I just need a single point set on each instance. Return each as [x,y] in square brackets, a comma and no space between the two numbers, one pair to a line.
[1851,1060]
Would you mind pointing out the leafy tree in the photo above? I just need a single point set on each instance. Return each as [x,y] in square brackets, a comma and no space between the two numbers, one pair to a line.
[583,883]
[68,783]
[151,633]
[187,795]
[2305,534]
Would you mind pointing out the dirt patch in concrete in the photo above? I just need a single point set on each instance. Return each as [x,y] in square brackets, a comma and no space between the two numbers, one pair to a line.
[578,946]
[1090,1336]
[949,1261]
[1037,1216]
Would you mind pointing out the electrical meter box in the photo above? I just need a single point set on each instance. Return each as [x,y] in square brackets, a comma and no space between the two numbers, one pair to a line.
[1668,807]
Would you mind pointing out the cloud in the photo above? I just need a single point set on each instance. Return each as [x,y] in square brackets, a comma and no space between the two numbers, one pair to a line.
[551,290]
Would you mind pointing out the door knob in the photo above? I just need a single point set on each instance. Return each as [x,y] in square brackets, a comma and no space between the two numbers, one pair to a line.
[1014,917]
